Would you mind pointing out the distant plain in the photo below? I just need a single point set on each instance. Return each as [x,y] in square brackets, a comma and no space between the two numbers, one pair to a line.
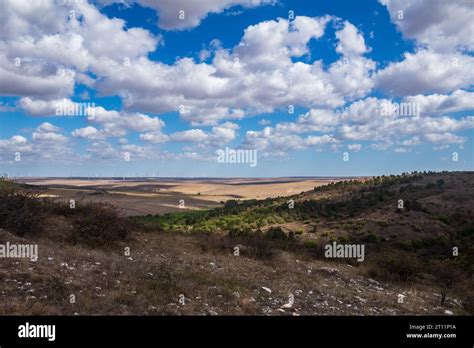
[141,196]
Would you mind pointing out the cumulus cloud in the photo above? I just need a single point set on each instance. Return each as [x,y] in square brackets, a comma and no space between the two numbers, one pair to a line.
[83,46]
[274,143]
[46,46]
[49,133]
[218,135]
[443,32]
[194,12]
[46,144]
[441,25]
[364,120]
[10,147]
[258,75]
[154,137]
[50,47]
[39,107]
[88,132]
[459,100]
[427,72]
[115,124]
[351,42]
[191,135]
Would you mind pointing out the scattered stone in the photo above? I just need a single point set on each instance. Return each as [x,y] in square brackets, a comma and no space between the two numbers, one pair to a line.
[363,300]
[329,270]
[248,300]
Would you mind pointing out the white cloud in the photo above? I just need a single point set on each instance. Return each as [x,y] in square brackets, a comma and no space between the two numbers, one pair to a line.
[273,143]
[427,72]
[154,137]
[191,135]
[258,75]
[441,25]
[38,107]
[48,133]
[47,144]
[18,139]
[9,148]
[115,123]
[270,68]
[88,133]
[194,11]
[46,45]
[351,42]
[219,135]
[459,100]
[444,138]
[48,127]
[443,31]
[363,120]
[354,147]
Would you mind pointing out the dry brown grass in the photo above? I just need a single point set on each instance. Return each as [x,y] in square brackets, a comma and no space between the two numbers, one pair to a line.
[164,266]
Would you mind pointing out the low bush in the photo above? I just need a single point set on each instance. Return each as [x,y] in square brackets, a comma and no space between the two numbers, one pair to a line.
[370,238]
[394,266]
[236,232]
[20,210]
[99,226]
[276,233]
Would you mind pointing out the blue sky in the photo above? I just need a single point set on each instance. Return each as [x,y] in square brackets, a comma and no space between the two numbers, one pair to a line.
[159,86]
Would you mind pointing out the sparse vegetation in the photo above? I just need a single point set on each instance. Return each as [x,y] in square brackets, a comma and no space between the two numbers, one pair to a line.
[20,210]
[24,213]
[98,226]
[221,256]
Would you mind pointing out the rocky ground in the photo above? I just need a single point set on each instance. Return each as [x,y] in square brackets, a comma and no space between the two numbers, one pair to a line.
[175,274]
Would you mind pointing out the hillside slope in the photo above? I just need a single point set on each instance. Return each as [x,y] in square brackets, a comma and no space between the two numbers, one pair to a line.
[250,257]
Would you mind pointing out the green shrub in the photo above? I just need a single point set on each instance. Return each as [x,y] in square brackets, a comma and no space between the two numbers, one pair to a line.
[276,233]
[310,244]
[370,238]
[394,265]
[236,232]
[100,226]
[21,212]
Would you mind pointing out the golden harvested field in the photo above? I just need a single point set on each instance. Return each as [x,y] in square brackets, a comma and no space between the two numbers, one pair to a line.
[157,196]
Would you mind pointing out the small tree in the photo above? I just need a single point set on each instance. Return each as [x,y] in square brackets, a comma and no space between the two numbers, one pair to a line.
[447,276]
